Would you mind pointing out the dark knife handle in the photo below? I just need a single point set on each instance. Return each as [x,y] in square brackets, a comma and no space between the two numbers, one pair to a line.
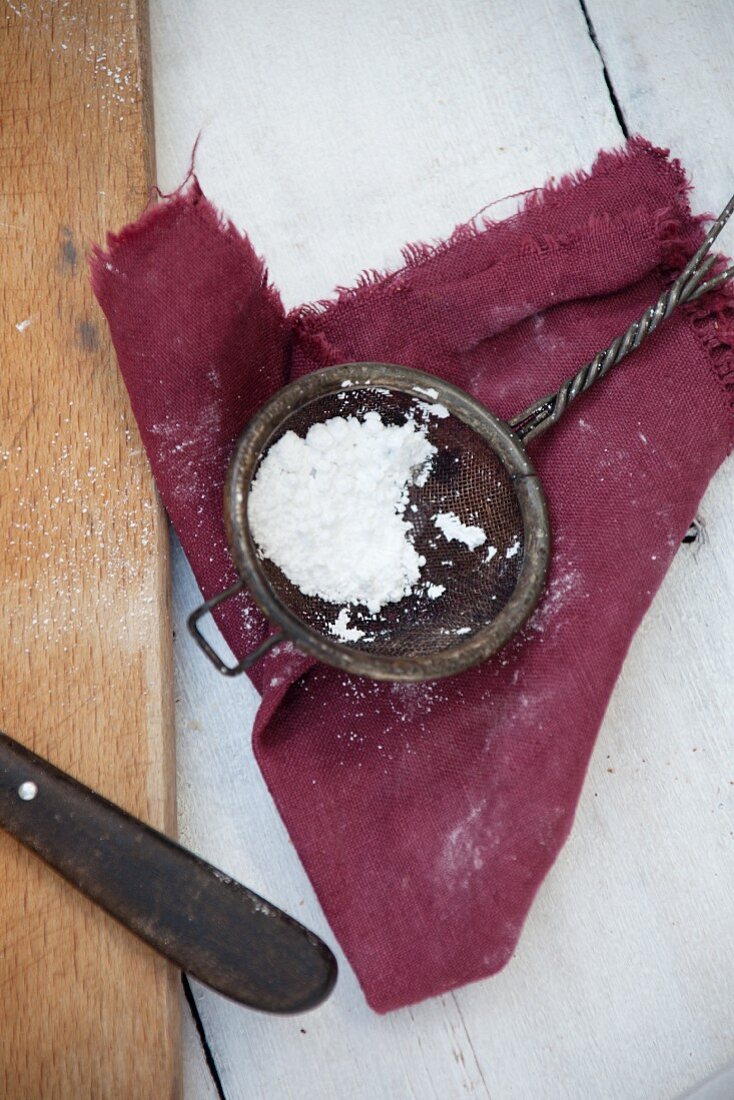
[203,921]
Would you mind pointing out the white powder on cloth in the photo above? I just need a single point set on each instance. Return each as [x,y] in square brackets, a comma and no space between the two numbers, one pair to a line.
[452,528]
[329,510]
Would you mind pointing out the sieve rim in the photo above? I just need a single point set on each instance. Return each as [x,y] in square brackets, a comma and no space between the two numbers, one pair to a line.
[463,654]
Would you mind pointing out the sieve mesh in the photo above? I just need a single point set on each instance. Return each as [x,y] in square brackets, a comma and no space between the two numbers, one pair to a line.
[468,479]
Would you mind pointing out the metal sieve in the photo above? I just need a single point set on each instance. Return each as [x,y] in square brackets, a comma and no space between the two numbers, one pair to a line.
[480,472]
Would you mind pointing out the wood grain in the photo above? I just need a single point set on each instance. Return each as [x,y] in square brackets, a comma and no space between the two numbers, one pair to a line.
[88,1011]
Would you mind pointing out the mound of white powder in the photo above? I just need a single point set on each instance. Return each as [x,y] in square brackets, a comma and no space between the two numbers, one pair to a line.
[329,509]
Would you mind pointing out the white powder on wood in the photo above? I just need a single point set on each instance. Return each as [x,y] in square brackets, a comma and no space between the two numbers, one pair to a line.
[452,528]
[329,510]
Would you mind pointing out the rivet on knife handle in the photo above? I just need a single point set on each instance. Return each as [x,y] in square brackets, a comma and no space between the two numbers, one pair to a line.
[212,927]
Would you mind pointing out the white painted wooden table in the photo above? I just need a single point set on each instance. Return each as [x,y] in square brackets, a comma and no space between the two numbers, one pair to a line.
[334,132]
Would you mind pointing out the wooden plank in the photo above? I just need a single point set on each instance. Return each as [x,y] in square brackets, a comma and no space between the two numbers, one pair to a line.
[84,620]
[670,65]
[197,1081]
[718,1087]
[333,137]
[637,913]
[227,815]
[335,133]
[623,982]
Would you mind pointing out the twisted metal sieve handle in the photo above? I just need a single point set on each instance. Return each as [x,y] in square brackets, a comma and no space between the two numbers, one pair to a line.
[687,287]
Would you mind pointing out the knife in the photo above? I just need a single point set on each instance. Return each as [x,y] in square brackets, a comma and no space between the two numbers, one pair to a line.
[209,925]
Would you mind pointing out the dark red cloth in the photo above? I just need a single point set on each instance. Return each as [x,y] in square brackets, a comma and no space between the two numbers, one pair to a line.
[427,815]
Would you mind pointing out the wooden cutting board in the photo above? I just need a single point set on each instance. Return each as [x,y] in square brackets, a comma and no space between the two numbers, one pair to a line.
[85,671]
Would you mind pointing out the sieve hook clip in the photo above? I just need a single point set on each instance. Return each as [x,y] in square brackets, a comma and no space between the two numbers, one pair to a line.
[205,609]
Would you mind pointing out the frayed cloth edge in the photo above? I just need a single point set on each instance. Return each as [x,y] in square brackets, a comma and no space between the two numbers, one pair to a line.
[419,254]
